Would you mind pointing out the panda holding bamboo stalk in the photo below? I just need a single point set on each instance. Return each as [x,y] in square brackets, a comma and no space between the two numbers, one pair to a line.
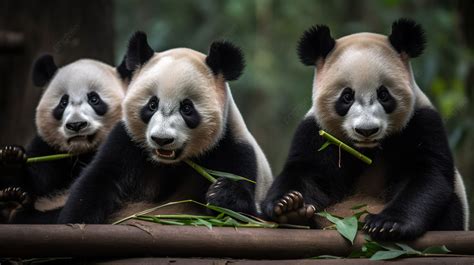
[365,94]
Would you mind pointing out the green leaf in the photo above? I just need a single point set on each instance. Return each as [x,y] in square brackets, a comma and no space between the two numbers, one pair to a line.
[436,250]
[347,227]
[228,175]
[387,254]
[326,257]
[408,249]
[324,146]
[200,222]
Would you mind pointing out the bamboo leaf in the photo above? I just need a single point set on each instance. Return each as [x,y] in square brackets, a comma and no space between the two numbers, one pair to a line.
[326,257]
[347,227]
[387,254]
[359,206]
[436,250]
[409,250]
[228,175]
[324,146]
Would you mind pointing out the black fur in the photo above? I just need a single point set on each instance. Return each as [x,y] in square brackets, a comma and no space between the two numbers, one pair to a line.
[420,174]
[138,51]
[58,111]
[387,101]
[96,102]
[345,101]
[407,36]
[42,179]
[227,59]
[149,109]
[191,117]
[125,74]
[44,69]
[122,172]
[315,43]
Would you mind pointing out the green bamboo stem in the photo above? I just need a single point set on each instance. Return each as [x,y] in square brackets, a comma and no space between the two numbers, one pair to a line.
[200,170]
[345,147]
[47,158]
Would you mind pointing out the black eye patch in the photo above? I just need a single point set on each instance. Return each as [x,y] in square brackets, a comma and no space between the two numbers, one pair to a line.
[345,101]
[96,102]
[58,111]
[149,109]
[189,113]
[386,100]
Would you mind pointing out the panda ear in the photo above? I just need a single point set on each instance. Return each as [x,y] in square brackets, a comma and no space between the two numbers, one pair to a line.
[44,69]
[227,59]
[122,70]
[407,36]
[138,51]
[315,43]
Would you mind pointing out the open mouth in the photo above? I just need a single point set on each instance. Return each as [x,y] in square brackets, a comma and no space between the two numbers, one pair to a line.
[165,154]
[78,138]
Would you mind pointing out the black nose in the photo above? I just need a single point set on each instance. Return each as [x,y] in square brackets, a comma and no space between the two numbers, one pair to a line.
[76,126]
[367,132]
[162,141]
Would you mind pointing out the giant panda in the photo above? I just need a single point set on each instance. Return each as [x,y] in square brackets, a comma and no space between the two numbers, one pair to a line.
[80,104]
[178,106]
[365,94]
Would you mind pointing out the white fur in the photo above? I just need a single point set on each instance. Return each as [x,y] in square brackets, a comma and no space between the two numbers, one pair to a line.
[51,202]
[460,191]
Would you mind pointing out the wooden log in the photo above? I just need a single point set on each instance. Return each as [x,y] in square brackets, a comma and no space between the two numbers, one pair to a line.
[141,239]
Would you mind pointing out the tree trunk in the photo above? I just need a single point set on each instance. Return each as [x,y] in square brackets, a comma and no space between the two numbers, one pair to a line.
[67,29]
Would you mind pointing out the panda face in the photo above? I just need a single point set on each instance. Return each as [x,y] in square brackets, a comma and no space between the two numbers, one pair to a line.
[80,105]
[363,93]
[174,107]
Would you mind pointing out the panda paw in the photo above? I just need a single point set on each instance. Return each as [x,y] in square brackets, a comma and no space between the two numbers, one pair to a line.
[385,227]
[12,155]
[16,195]
[291,209]
[229,194]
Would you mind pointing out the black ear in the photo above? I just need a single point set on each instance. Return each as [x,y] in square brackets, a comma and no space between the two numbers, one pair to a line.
[227,59]
[407,36]
[44,69]
[124,73]
[138,51]
[315,43]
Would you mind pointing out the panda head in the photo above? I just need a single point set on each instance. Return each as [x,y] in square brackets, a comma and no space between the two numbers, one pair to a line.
[80,104]
[176,103]
[364,89]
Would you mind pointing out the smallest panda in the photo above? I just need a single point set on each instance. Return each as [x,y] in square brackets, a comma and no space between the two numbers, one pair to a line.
[80,104]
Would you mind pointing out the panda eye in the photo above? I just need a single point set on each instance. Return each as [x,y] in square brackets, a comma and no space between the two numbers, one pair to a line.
[187,107]
[93,98]
[64,101]
[383,94]
[153,104]
[347,95]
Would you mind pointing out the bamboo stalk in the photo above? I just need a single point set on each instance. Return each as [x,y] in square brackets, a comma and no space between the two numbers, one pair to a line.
[200,170]
[345,147]
[47,158]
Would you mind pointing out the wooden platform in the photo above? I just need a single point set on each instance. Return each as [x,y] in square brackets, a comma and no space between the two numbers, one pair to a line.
[141,241]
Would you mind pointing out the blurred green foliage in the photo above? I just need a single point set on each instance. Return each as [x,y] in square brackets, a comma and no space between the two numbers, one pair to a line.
[275,90]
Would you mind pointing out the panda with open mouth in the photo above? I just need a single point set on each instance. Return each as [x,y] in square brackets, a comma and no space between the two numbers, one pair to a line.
[365,94]
[178,106]
[80,104]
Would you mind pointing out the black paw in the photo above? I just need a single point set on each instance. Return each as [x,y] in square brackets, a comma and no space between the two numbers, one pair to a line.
[232,195]
[12,155]
[291,209]
[384,227]
[16,195]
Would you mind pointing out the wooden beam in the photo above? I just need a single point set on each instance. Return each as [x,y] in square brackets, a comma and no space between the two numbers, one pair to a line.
[143,239]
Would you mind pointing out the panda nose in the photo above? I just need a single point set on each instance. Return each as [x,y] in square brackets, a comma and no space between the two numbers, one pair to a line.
[76,126]
[162,141]
[367,132]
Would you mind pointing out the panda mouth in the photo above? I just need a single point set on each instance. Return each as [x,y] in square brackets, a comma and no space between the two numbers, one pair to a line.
[166,154]
[366,144]
[78,138]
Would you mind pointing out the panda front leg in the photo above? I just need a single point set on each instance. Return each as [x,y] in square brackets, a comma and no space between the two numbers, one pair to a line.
[413,209]
[235,195]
